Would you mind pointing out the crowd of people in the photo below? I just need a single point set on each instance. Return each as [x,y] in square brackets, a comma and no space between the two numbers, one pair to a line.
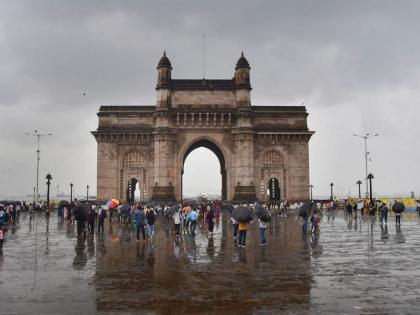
[185,218]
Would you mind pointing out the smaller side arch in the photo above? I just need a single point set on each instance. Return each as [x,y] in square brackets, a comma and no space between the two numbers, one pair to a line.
[273,162]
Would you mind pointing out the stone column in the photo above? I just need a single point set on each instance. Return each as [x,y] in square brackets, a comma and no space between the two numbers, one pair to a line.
[164,170]
[107,171]
[244,184]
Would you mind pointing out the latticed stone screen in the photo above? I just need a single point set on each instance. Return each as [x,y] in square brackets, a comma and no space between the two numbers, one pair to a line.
[273,159]
[133,159]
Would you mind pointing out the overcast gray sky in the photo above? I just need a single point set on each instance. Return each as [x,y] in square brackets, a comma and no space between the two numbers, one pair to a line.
[355,65]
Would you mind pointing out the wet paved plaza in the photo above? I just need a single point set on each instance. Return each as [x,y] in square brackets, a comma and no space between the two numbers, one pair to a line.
[353,267]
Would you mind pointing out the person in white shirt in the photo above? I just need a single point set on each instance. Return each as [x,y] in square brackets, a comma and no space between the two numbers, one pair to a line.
[177,222]
[263,227]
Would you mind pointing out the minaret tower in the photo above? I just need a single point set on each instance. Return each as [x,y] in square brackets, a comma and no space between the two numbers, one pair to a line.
[163,87]
[242,82]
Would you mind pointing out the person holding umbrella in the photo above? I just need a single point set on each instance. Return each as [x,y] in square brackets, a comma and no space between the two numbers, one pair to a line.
[243,215]
[398,208]
[264,217]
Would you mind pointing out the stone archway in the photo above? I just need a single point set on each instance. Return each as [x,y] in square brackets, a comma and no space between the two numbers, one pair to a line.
[151,142]
[212,146]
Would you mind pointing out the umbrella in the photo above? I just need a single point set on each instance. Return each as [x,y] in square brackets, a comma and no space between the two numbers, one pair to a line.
[398,207]
[171,210]
[113,203]
[262,213]
[79,212]
[242,214]
[64,203]
[306,207]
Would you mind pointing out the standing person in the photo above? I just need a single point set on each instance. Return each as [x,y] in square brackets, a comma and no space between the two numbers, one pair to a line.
[80,217]
[2,214]
[139,222]
[101,219]
[177,222]
[360,207]
[349,209]
[185,212]
[315,220]
[150,216]
[192,217]
[384,213]
[210,221]
[235,228]
[96,212]
[217,212]
[397,215]
[1,238]
[91,220]
[243,228]
[303,213]
[263,227]
[355,210]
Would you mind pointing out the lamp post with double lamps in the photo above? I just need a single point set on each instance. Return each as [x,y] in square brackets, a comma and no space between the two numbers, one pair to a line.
[359,182]
[366,137]
[87,192]
[38,152]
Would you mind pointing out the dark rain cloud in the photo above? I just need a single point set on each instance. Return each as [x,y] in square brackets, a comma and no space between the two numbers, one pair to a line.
[354,63]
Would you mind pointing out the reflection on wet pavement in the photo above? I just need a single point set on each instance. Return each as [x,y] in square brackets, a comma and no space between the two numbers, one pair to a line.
[352,266]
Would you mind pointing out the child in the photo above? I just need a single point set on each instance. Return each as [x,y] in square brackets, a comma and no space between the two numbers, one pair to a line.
[315,220]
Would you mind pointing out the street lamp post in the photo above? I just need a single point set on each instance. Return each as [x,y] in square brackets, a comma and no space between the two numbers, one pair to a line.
[38,135]
[87,192]
[332,195]
[366,137]
[48,178]
[311,186]
[71,193]
[370,177]
[57,193]
[359,182]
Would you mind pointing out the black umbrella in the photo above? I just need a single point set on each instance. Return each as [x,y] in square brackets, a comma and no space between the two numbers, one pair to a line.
[242,214]
[398,207]
[79,212]
[262,213]
[63,203]
[306,207]
[171,210]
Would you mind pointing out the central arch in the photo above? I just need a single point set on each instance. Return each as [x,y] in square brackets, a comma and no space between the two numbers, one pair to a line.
[208,144]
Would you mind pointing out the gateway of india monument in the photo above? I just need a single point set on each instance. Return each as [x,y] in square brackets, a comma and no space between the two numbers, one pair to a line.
[263,150]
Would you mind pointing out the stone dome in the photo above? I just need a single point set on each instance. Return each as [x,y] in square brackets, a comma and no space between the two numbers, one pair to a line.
[164,62]
[242,62]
